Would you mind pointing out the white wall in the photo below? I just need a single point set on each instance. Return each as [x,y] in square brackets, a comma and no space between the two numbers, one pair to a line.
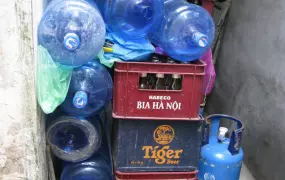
[22,140]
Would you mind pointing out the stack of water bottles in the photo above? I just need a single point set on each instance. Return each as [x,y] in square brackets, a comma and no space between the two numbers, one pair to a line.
[182,30]
[73,33]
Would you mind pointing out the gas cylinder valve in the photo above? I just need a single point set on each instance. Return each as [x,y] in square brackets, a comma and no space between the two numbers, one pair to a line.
[222,133]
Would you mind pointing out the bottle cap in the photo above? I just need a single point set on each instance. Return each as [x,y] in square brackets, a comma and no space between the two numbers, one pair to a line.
[80,99]
[143,74]
[176,76]
[170,60]
[160,75]
[155,59]
[200,39]
[71,41]
[222,133]
[185,62]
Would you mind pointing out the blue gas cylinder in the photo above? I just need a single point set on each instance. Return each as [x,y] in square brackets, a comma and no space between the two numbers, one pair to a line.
[131,19]
[221,158]
[72,31]
[90,89]
[187,31]
[75,139]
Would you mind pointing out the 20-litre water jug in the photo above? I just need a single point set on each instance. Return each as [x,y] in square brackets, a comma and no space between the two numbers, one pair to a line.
[186,32]
[75,139]
[90,89]
[98,167]
[132,19]
[72,31]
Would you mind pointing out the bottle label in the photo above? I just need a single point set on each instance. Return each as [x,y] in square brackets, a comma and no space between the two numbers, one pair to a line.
[80,99]
[71,41]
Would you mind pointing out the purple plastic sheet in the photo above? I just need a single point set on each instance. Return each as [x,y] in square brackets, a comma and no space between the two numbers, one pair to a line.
[210,73]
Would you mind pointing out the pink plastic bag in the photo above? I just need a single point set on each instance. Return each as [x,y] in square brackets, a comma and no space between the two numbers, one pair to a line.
[210,73]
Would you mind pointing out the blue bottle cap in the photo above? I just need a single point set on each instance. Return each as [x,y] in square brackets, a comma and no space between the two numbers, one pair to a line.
[200,39]
[80,99]
[71,41]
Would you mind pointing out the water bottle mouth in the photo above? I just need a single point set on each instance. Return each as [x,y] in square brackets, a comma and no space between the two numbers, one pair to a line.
[147,12]
[73,139]
[71,41]
[80,99]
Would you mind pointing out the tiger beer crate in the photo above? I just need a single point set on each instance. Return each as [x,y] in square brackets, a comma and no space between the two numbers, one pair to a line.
[157,176]
[130,102]
[157,145]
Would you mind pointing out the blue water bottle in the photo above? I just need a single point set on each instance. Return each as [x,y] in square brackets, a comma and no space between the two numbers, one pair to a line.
[72,31]
[90,90]
[98,167]
[131,19]
[186,32]
[75,139]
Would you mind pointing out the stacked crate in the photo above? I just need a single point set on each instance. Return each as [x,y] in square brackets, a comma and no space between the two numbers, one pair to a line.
[158,132]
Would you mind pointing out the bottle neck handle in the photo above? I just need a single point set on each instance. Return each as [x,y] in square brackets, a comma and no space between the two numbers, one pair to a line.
[197,37]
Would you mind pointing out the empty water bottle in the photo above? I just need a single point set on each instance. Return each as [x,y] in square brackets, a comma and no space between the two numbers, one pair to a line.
[186,31]
[72,31]
[98,167]
[132,19]
[89,91]
[75,139]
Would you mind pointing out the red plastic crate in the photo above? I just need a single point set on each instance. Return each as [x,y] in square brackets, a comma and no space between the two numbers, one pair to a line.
[130,102]
[157,176]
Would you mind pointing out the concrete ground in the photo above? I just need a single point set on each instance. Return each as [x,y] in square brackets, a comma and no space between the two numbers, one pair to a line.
[245,174]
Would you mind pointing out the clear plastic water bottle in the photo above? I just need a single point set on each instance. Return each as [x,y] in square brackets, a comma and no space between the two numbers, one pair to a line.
[90,89]
[98,167]
[131,19]
[72,31]
[186,32]
[75,139]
